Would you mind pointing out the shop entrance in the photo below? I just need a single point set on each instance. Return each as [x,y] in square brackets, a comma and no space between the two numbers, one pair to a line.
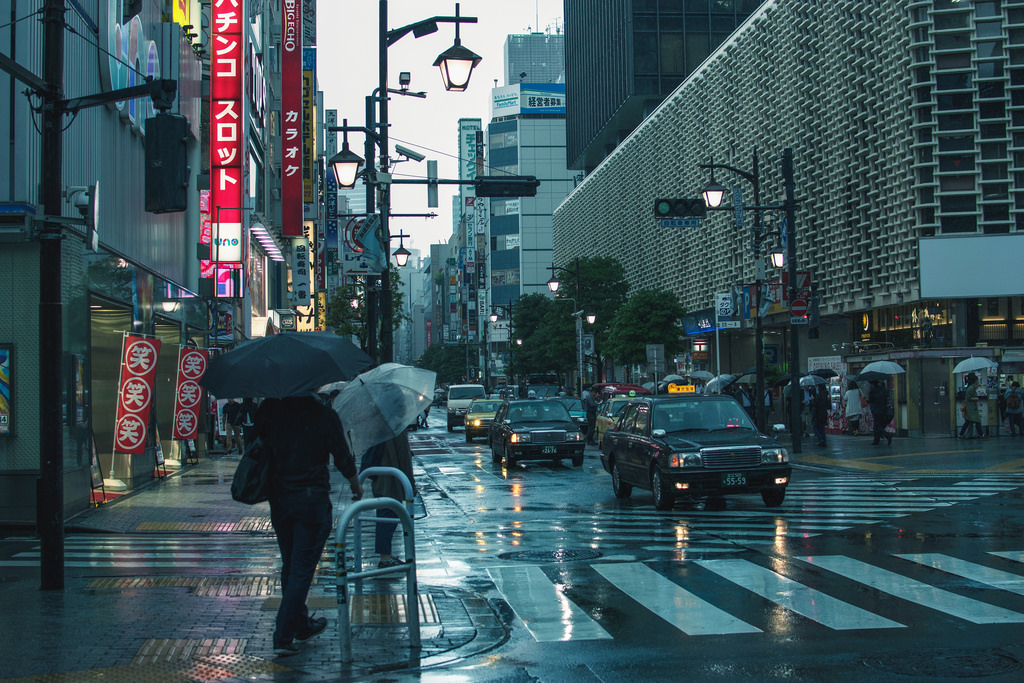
[935,399]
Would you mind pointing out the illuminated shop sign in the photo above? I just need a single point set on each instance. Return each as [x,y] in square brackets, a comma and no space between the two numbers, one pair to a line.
[291,119]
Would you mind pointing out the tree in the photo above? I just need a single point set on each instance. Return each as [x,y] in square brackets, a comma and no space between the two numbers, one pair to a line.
[603,290]
[648,317]
[448,361]
[346,309]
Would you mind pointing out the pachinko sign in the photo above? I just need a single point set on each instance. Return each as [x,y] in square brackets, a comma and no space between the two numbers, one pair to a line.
[135,393]
[227,129]
[187,393]
[291,118]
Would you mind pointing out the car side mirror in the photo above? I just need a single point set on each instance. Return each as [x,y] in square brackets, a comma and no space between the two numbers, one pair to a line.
[658,433]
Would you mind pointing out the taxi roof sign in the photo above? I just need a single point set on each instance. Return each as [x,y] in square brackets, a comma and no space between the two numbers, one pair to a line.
[674,388]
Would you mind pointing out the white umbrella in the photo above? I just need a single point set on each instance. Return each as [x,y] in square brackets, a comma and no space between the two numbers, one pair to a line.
[380,403]
[885,367]
[702,375]
[812,380]
[973,363]
[716,385]
[672,378]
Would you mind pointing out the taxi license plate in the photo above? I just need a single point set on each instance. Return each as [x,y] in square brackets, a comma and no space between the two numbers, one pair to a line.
[548,450]
[734,479]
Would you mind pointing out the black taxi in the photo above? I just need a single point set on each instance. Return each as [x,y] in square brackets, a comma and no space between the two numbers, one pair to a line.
[693,446]
[535,430]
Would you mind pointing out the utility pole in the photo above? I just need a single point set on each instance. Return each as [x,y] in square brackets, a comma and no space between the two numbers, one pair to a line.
[50,485]
[796,393]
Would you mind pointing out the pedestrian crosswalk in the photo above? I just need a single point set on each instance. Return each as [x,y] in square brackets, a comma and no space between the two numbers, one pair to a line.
[727,596]
[827,505]
[253,554]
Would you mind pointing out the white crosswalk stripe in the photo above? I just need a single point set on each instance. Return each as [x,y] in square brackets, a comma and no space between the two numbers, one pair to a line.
[544,604]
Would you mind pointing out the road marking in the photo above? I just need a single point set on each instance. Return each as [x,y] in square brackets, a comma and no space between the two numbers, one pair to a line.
[547,613]
[969,570]
[837,462]
[797,597]
[915,591]
[679,607]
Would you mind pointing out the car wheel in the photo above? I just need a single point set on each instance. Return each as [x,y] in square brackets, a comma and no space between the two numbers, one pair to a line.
[577,460]
[773,497]
[620,488]
[510,461]
[663,498]
[469,437]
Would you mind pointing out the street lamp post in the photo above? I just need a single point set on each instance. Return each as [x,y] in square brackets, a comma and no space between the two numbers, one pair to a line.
[713,197]
[456,65]
[553,285]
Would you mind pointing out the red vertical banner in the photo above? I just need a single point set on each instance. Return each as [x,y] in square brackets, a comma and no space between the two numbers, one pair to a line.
[135,394]
[187,393]
[227,129]
[291,118]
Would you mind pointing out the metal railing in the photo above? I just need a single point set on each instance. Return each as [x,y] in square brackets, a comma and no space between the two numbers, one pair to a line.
[353,515]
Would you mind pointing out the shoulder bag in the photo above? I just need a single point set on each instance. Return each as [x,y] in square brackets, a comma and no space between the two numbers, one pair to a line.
[251,483]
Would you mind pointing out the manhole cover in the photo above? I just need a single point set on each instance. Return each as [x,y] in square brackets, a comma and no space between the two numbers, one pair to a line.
[945,663]
[560,555]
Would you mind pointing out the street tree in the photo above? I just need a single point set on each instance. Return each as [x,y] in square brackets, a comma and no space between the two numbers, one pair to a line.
[346,313]
[447,360]
[648,317]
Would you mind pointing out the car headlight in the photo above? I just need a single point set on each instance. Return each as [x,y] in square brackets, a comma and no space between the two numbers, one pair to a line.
[774,456]
[523,437]
[476,422]
[685,460]
[578,436]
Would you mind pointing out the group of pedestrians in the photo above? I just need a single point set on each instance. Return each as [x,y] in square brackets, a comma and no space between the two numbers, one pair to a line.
[878,402]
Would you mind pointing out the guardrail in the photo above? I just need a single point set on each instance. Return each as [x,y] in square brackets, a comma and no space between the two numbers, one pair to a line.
[353,513]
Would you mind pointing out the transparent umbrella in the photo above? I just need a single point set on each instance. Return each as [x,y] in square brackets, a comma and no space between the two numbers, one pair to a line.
[380,403]
[972,364]
[716,385]
[812,380]
[702,375]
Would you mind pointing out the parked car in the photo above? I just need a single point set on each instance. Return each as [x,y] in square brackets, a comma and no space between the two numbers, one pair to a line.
[534,430]
[459,397]
[576,410]
[479,416]
[607,415]
[694,446]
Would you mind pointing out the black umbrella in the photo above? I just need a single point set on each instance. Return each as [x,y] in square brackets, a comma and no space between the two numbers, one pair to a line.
[871,376]
[785,379]
[288,364]
[826,373]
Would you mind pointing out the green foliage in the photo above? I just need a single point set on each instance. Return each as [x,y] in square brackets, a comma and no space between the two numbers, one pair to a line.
[346,319]
[648,317]
[448,361]
[603,290]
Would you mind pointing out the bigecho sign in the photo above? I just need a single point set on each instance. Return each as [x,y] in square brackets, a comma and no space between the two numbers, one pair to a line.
[135,395]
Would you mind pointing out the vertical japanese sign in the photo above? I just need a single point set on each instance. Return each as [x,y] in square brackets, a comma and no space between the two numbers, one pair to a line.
[135,394]
[6,350]
[309,130]
[227,132]
[300,272]
[291,118]
[187,393]
[331,254]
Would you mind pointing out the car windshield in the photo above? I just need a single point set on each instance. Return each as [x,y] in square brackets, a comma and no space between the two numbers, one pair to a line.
[466,392]
[484,406]
[572,404]
[617,407]
[698,415]
[538,412]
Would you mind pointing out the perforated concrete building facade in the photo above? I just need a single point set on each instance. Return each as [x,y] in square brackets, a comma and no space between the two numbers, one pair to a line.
[906,120]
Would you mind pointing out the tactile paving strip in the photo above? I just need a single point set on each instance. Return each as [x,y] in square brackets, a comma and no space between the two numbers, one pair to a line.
[371,608]
[244,524]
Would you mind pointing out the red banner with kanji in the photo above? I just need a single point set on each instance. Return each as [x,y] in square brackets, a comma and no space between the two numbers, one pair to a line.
[135,394]
[187,393]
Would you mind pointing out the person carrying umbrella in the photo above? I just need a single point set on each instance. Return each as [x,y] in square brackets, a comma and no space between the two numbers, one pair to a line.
[878,401]
[395,452]
[972,416]
[854,406]
[1014,399]
[302,434]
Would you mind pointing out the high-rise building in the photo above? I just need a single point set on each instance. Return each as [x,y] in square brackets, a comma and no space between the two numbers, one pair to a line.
[535,58]
[623,57]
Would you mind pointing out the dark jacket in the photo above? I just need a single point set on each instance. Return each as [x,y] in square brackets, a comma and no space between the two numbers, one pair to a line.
[303,433]
[821,405]
[395,453]
[878,400]
[233,412]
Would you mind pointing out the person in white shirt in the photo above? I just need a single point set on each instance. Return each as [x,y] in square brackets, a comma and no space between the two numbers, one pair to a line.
[854,407]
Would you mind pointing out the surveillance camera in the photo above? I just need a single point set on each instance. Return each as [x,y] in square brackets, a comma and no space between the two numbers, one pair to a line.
[405,151]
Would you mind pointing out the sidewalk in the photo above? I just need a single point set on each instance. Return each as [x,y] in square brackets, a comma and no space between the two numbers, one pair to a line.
[912,455]
[136,624]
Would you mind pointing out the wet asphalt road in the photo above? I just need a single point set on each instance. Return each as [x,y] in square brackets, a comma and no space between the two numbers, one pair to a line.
[856,577]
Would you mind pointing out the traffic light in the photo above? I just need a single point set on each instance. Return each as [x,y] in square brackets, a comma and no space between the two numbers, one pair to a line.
[680,208]
[167,169]
[506,186]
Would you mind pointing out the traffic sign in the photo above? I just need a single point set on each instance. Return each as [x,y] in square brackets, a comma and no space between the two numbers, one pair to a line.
[798,307]
[728,324]
[680,222]
[797,320]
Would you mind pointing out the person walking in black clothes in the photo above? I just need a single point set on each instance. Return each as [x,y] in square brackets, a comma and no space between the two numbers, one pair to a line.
[302,433]
[878,401]
[233,425]
[820,407]
[590,405]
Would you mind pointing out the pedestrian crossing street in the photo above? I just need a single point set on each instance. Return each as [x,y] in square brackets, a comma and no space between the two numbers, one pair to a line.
[545,598]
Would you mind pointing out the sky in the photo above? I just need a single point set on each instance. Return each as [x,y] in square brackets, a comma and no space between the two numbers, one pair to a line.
[347,60]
